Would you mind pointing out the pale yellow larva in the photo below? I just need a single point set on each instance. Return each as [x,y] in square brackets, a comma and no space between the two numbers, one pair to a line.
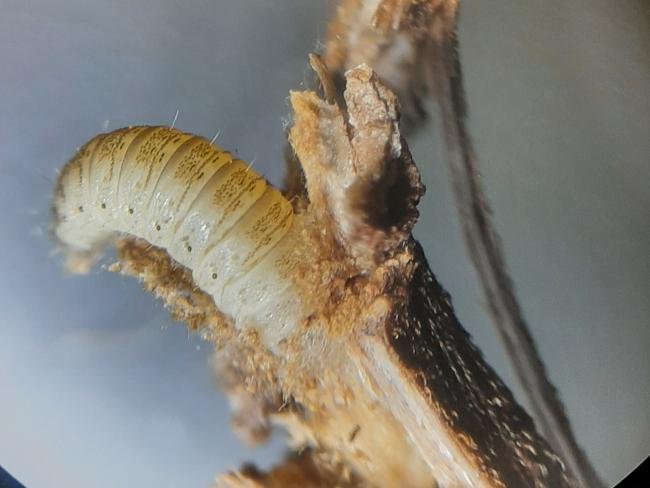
[207,209]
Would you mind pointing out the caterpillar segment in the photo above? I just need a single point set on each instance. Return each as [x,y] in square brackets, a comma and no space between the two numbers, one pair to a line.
[208,210]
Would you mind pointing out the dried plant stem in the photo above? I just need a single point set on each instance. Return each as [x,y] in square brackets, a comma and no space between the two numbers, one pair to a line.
[484,248]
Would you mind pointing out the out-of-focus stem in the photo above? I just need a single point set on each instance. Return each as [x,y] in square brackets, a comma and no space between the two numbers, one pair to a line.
[484,248]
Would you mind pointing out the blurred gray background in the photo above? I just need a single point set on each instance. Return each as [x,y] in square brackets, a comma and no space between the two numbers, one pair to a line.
[99,389]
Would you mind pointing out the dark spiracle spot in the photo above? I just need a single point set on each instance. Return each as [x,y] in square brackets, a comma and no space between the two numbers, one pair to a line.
[158,227]
[189,248]
[214,276]
[81,209]
[130,210]
[103,205]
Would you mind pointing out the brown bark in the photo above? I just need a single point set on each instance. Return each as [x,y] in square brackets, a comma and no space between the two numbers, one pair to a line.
[413,46]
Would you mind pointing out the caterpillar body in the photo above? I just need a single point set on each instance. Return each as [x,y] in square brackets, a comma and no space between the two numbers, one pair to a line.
[207,209]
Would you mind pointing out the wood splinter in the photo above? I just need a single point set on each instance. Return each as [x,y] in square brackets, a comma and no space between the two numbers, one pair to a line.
[413,45]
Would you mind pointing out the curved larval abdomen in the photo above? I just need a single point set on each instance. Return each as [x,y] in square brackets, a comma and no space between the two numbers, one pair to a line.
[210,211]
